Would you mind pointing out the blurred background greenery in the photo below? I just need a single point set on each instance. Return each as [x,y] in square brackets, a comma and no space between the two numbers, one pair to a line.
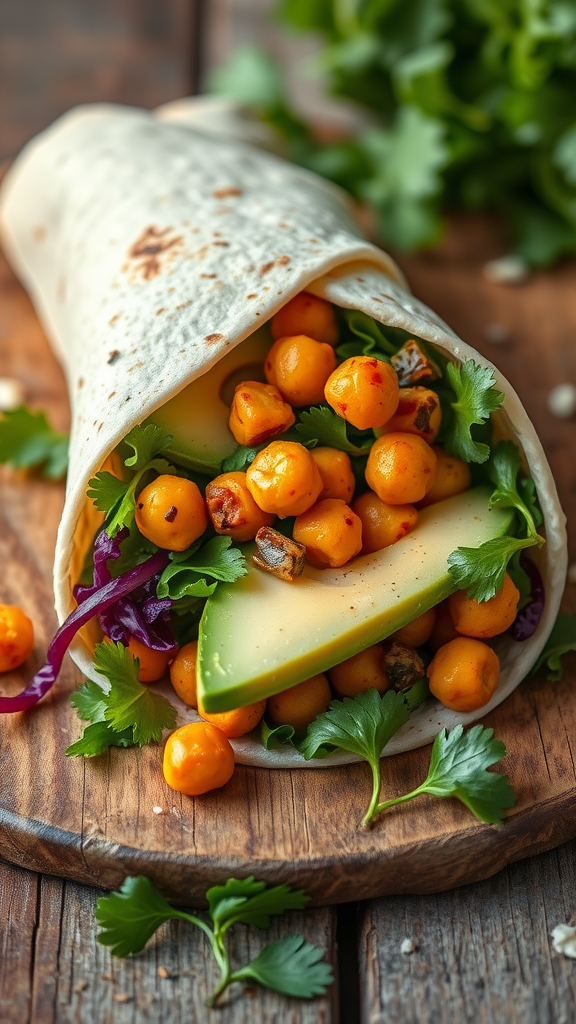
[456,104]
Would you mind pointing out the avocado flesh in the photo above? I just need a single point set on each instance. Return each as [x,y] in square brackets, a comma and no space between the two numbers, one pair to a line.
[197,418]
[261,635]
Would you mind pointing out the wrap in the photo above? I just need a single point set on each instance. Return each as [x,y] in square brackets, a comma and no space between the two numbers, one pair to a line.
[151,245]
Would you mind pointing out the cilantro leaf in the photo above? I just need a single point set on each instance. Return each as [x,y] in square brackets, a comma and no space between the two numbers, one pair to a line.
[129,704]
[475,399]
[480,571]
[275,737]
[90,702]
[186,575]
[97,738]
[364,337]
[27,441]
[251,902]
[106,491]
[241,458]
[319,425]
[503,468]
[561,641]
[291,966]
[130,917]
[146,442]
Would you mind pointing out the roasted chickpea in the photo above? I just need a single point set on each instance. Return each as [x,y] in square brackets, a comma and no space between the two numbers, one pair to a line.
[489,618]
[452,477]
[183,673]
[418,412]
[153,664]
[336,472]
[417,632]
[444,630]
[300,367]
[171,512]
[306,314]
[301,704]
[364,391]
[464,674]
[361,672]
[16,637]
[382,524]
[284,479]
[401,468]
[258,412]
[197,758]
[237,722]
[232,509]
[331,533]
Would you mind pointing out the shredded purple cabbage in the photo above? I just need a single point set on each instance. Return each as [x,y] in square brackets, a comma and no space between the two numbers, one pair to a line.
[527,620]
[95,601]
[141,614]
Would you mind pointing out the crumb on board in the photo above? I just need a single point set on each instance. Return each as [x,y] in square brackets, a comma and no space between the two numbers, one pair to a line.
[564,940]
[562,401]
[509,269]
[157,810]
[408,946]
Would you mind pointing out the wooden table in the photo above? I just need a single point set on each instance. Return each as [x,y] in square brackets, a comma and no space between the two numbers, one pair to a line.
[483,951]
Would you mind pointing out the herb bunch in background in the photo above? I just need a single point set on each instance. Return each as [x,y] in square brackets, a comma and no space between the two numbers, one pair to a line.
[470,102]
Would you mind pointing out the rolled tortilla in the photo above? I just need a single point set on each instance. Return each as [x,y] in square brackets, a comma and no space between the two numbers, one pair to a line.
[150,248]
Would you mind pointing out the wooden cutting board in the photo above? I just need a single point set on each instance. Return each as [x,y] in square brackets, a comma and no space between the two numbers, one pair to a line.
[94,820]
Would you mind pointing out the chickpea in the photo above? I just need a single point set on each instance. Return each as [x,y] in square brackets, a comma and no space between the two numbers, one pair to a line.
[183,673]
[401,468]
[171,512]
[16,637]
[489,618]
[301,704]
[153,664]
[464,674]
[382,524]
[364,391]
[331,533]
[336,472]
[418,412]
[258,412]
[197,758]
[417,632]
[306,314]
[361,672]
[444,630]
[284,479]
[452,477]
[232,509]
[300,367]
[237,722]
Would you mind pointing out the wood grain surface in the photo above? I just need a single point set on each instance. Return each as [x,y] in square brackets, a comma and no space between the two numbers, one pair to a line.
[93,821]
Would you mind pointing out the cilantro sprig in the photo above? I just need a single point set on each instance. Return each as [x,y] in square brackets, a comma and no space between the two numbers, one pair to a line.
[475,398]
[363,337]
[27,441]
[125,713]
[480,571]
[197,571]
[562,640]
[292,965]
[320,426]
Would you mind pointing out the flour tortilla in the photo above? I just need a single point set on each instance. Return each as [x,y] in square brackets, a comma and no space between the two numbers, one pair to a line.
[151,245]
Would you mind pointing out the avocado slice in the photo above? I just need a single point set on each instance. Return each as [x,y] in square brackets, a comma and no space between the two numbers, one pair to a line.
[197,417]
[261,635]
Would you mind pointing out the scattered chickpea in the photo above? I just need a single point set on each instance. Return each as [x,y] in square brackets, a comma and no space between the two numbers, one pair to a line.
[258,412]
[16,637]
[364,391]
[183,673]
[197,758]
[284,479]
[306,314]
[464,674]
[301,704]
[336,472]
[418,412]
[331,533]
[417,632]
[232,509]
[171,512]
[401,468]
[361,672]
[488,618]
[452,477]
[237,722]
[382,524]
[299,367]
[444,629]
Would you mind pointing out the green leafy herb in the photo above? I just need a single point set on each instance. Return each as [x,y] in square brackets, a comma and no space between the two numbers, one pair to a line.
[130,917]
[475,399]
[561,641]
[363,337]
[241,458]
[480,571]
[27,441]
[276,736]
[197,571]
[458,769]
[363,725]
[319,425]
[123,714]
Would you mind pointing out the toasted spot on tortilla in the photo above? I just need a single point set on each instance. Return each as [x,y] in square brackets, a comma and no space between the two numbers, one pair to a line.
[375,298]
[161,310]
[221,243]
[80,383]
[114,319]
[208,275]
[281,261]
[253,295]
[39,233]
[211,338]
[111,395]
[223,193]
[113,356]
[150,247]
